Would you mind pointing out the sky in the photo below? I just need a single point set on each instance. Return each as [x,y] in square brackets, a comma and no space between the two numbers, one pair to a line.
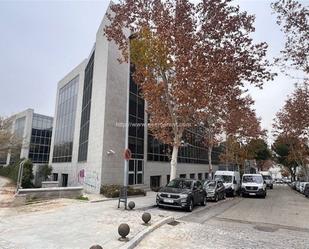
[41,41]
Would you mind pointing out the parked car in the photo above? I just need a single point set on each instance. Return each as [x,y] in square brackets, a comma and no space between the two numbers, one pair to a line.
[268,179]
[306,191]
[231,181]
[253,184]
[182,193]
[215,190]
[297,185]
[302,187]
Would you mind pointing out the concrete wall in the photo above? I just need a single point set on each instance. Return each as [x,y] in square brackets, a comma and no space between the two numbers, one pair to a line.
[51,193]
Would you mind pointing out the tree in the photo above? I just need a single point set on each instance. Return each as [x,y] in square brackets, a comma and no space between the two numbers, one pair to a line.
[258,150]
[9,142]
[293,18]
[183,55]
[283,153]
[27,175]
[45,171]
[292,126]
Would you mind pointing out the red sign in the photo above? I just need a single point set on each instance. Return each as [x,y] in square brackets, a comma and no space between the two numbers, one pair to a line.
[127,154]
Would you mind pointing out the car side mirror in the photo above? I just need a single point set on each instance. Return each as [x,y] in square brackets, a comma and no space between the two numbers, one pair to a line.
[264,182]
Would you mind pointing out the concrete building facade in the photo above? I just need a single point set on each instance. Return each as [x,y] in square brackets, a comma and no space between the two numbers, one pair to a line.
[34,132]
[92,155]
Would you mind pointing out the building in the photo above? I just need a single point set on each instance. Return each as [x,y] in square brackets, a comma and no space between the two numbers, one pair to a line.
[34,131]
[89,135]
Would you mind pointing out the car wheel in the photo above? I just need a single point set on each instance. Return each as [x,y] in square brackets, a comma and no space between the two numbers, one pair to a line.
[224,195]
[191,205]
[271,187]
[204,202]
[216,198]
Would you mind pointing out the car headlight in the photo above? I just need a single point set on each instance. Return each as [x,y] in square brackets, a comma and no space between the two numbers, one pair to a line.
[182,196]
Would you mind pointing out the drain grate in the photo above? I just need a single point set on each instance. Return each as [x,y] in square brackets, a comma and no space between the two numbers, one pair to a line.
[173,223]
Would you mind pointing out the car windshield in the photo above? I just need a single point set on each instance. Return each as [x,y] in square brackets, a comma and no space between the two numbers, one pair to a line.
[210,184]
[267,177]
[224,178]
[255,179]
[184,184]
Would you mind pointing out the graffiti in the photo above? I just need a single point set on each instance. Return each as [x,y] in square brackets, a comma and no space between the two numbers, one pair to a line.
[91,179]
[81,176]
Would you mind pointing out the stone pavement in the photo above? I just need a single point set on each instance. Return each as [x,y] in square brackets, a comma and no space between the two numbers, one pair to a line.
[65,223]
[279,221]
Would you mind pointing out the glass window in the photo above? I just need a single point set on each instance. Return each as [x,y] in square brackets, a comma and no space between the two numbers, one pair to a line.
[65,122]
[86,107]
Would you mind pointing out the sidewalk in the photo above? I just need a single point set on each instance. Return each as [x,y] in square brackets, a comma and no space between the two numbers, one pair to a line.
[72,223]
[7,190]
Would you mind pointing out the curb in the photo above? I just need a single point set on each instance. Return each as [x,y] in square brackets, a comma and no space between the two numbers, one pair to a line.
[140,236]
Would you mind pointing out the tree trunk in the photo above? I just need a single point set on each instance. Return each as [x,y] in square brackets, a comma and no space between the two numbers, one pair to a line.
[210,161]
[174,162]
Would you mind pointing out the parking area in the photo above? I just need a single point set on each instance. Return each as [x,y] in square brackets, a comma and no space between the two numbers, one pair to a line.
[278,221]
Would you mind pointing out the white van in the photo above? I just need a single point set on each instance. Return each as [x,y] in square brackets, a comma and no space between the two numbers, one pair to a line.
[268,179]
[253,184]
[231,181]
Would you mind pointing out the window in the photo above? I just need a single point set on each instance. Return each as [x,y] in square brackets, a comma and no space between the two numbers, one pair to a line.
[55,176]
[64,180]
[168,177]
[40,138]
[86,107]
[182,176]
[136,172]
[136,121]
[155,182]
[200,176]
[65,122]
[192,176]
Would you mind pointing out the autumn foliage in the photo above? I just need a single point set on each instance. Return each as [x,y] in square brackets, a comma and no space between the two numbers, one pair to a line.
[188,59]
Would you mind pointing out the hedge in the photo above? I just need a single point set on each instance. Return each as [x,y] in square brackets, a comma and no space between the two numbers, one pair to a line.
[112,191]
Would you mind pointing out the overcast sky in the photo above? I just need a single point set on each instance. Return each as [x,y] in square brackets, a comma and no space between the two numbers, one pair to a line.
[41,41]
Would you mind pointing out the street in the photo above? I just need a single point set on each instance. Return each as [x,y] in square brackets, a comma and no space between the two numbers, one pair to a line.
[279,221]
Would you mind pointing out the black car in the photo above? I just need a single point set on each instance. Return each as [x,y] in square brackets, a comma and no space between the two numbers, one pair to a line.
[182,193]
[215,190]
[306,191]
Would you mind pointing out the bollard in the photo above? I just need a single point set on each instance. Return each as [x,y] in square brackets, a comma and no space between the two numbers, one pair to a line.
[123,231]
[146,217]
[131,205]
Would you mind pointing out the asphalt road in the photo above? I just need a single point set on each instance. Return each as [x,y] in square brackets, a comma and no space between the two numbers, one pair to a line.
[279,221]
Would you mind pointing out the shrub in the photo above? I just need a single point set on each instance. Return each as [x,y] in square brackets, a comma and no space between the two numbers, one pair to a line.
[45,171]
[112,191]
[11,171]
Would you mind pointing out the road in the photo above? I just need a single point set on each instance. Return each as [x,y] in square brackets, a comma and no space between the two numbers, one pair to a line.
[279,221]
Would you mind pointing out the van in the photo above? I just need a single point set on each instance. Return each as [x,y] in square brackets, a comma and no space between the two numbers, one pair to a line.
[231,181]
[253,185]
[268,179]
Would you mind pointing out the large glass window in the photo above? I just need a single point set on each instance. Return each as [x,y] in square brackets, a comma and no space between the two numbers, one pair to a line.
[86,106]
[65,123]
[136,121]
[40,138]
[193,150]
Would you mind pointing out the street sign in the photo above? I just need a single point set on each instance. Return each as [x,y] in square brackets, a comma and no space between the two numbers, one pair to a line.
[127,154]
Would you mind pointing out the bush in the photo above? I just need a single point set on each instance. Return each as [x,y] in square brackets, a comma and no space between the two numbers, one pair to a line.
[112,191]
[11,171]
[45,171]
